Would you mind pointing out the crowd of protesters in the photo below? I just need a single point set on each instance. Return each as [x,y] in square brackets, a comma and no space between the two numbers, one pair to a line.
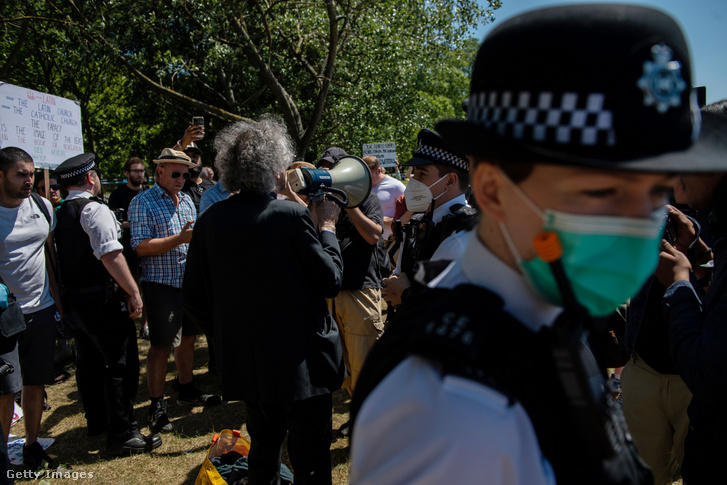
[470,313]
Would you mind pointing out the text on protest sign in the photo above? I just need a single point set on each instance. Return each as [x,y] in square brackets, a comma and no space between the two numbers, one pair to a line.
[385,152]
[47,127]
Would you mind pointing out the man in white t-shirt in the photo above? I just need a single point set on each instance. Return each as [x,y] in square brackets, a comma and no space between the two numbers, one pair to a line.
[25,227]
[387,189]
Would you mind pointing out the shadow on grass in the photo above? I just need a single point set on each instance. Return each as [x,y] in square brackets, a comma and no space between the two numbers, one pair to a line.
[195,422]
[192,475]
[341,402]
[339,456]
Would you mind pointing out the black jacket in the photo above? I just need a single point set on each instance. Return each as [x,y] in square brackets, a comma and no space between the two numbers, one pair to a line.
[698,337]
[257,276]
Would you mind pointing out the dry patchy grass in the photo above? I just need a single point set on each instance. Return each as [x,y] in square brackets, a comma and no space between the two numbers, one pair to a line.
[179,458]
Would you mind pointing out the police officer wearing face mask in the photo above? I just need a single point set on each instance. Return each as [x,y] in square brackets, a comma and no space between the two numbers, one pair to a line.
[438,212]
[490,375]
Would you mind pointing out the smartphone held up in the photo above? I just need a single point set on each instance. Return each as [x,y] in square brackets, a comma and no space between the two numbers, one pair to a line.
[198,121]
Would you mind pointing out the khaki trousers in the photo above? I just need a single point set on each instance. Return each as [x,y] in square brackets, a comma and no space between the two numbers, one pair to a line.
[358,316]
[655,408]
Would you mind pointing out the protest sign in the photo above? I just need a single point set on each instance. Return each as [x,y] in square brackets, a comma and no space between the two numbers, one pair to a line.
[385,152]
[47,127]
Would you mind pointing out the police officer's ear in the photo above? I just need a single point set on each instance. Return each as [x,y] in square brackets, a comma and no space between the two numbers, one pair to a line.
[487,184]
[452,179]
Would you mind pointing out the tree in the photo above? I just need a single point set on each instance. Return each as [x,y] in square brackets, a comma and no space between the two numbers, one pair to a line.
[339,72]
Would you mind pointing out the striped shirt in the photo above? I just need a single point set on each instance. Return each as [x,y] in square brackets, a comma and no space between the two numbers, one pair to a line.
[152,215]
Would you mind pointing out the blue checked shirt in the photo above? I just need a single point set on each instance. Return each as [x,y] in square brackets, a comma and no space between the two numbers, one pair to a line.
[152,215]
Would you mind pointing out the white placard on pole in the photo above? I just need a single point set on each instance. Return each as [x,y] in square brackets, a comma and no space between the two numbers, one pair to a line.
[47,127]
[385,152]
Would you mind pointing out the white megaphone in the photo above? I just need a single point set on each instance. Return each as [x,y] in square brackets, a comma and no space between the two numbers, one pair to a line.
[348,183]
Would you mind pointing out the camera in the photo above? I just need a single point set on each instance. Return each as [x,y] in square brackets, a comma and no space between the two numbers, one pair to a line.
[120,214]
[670,231]
[198,120]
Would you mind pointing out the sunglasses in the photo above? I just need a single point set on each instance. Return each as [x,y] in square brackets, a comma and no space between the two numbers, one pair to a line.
[175,175]
[52,187]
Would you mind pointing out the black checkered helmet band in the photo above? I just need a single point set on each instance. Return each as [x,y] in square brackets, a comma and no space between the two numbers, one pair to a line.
[441,156]
[80,170]
[545,117]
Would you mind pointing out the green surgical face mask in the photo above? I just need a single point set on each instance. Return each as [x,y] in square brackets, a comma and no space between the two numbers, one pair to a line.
[606,259]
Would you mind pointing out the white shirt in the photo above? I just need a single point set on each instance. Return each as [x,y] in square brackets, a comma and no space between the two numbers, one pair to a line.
[97,220]
[418,426]
[23,232]
[388,190]
[453,246]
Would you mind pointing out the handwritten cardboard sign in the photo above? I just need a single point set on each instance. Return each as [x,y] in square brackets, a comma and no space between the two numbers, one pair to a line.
[385,152]
[47,127]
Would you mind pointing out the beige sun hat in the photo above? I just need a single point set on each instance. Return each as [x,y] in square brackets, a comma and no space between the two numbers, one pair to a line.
[173,156]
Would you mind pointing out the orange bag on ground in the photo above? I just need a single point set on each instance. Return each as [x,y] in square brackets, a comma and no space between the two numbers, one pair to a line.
[222,442]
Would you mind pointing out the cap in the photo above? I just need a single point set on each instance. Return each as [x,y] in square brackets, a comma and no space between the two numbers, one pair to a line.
[431,148]
[605,86]
[77,165]
[332,156]
[192,147]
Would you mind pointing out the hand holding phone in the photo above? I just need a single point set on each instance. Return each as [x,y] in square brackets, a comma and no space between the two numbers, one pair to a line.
[196,129]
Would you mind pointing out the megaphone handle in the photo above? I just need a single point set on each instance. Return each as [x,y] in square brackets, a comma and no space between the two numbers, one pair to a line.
[342,201]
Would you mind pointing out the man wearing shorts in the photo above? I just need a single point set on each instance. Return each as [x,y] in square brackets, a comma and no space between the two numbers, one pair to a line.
[161,227]
[25,227]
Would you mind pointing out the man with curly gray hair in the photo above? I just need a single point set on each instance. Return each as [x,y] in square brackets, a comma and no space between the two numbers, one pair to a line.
[248,251]
[252,157]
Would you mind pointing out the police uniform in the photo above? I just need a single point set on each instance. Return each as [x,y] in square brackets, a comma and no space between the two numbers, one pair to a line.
[487,378]
[107,357]
[438,233]
[426,231]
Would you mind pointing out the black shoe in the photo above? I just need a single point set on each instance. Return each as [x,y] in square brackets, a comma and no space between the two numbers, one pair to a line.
[197,398]
[158,419]
[345,429]
[136,444]
[35,457]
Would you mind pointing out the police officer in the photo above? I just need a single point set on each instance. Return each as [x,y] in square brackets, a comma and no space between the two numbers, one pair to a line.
[99,289]
[577,116]
[437,210]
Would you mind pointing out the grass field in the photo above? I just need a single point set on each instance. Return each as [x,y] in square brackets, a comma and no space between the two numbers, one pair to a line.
[179,458]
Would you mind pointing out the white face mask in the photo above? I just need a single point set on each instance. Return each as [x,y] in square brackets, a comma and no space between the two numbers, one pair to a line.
[418,196]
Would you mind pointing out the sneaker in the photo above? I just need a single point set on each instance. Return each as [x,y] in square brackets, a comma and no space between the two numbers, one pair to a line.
[345,429]
[138,443]
[144,333]
[197,398]
[158,419]
[35,457]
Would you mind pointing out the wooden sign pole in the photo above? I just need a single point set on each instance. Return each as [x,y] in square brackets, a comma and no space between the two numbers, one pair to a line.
[46,177]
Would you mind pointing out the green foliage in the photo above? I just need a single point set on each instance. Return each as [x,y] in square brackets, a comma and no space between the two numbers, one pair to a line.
[340,72]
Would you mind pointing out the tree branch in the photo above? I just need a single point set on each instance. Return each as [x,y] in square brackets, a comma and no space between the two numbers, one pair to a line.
[156,87]
[291,115]
[325,78]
